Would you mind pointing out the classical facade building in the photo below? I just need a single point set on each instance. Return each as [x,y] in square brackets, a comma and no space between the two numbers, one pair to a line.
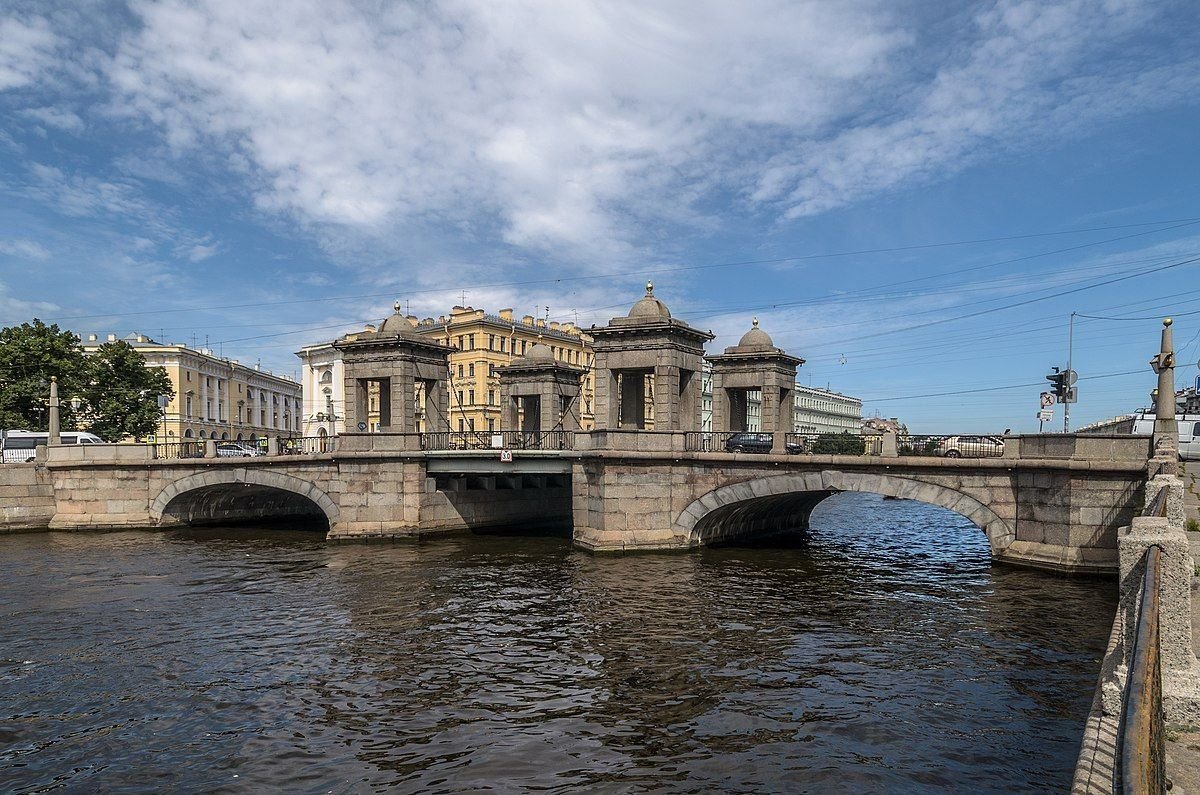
[483,342]
[822,411]
[216,398]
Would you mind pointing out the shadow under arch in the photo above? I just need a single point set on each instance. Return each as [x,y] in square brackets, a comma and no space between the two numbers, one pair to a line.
[781,502]
[239,495]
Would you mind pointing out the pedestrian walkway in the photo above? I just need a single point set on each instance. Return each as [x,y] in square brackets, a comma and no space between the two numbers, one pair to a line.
[1189,472]
[1183,743]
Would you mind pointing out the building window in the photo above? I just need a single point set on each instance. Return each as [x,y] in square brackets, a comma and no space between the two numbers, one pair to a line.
[471,398]
[460,397]
[491,370]
[472,422]
[471,369]
[460,370]
[459,344]
[491,425]
[462,426]
[471,342]
[491,397]
[503,342]
[491,342]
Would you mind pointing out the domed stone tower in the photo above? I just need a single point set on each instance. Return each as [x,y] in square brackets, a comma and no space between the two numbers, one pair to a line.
[648,357]
[403,363]
[754,365]
[539,396]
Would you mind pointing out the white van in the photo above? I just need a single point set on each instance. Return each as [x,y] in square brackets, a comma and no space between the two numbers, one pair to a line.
[1189,432]
[17,447]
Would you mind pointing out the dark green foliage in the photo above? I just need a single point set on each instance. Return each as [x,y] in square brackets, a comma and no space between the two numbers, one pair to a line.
[117,394]
[121,394]
[30,354]
[843,443]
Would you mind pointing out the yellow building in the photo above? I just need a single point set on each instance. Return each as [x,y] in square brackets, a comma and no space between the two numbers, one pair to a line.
[216,398]
[483,342]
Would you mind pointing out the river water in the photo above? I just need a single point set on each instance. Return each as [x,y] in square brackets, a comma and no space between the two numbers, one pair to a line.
[886,655]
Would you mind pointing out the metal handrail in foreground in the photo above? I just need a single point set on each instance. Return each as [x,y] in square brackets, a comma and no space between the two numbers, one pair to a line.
[1142,741]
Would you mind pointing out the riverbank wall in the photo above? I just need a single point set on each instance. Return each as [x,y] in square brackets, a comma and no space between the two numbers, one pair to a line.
[26,498]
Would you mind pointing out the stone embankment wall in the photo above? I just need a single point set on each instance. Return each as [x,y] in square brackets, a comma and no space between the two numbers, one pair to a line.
[26,498]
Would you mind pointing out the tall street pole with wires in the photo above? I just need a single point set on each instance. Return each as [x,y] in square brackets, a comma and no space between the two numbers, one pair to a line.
[1070,390]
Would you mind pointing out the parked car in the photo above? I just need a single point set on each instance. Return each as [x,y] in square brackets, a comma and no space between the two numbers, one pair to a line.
[17,447]
[1189,432]
[970,447]
[236,450]
[751,442]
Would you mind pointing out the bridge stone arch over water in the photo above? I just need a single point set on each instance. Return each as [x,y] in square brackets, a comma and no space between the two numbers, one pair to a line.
[778,503]
[218,495]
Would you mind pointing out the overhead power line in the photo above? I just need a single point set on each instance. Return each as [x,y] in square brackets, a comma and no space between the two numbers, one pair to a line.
[1166,226]
[995,388]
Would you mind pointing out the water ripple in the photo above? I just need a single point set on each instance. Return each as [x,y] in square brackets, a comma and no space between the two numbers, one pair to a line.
[887,655]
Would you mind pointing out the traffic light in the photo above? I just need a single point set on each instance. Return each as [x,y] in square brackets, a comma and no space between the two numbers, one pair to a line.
[1058,384]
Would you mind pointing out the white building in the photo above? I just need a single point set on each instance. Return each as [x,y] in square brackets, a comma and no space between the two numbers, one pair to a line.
[215,397]
[322,377]
[822,411]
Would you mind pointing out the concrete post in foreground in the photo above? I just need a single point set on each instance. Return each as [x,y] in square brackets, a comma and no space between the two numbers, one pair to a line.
[55,437]
[1164,410]
[210,448]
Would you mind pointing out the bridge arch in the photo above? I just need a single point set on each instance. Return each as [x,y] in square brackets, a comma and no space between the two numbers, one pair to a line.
[777,501]
[178,500]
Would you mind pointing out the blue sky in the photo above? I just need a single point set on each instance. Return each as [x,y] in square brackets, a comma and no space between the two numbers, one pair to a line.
[912,196]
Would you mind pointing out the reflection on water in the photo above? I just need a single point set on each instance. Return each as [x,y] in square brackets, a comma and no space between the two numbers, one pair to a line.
[887,655]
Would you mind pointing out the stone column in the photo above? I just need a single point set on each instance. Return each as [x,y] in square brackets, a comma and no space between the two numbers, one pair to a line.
[1164,410]
[203,397]
[54,436]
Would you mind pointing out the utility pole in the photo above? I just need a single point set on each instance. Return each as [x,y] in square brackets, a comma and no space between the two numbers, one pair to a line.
[1070,375]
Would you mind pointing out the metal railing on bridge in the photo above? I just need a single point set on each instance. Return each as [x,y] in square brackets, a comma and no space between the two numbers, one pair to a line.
[242,448]
[1143,731]
[945,446]
[179,449]
[1142,740]
[498,440]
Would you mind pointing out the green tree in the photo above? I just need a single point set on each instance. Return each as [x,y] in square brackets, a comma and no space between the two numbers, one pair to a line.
[838,444]
[30,354]
[121,393]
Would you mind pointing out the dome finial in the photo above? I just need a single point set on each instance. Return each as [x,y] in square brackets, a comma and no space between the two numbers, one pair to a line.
[1167,321]
[649,288]
[396,306]
[754,323]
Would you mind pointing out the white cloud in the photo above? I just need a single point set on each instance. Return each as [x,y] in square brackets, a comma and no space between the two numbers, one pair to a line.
[594,131]
[82,195]
[15,310]
[26,50]
[62,118]
[561,122]
[23,249]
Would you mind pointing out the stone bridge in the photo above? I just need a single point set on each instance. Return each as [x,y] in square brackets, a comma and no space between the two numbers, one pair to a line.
[1053,501]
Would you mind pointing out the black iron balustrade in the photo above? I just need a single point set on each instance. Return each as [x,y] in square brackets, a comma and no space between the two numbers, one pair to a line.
[497,440]
[169,450]
[306,445]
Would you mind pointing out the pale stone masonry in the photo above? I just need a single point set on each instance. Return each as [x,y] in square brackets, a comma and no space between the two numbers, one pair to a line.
[1055,512]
